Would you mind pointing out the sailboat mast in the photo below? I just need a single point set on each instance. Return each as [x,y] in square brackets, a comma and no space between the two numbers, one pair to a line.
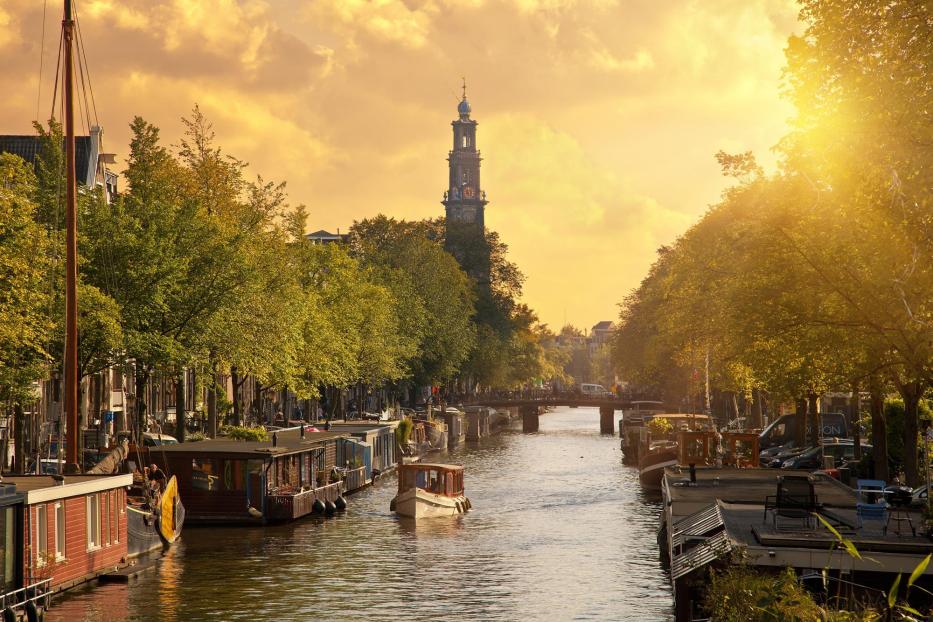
[71,251]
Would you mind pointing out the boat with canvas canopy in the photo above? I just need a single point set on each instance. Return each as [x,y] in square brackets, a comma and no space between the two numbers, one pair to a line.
[428,490]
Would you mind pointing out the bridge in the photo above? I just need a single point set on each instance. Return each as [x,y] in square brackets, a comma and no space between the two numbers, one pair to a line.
[530,407]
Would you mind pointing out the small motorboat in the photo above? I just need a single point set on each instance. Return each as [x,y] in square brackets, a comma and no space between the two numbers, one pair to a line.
[428,490]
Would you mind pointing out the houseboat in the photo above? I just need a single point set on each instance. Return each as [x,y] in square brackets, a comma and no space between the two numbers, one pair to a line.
[258,482]
[430,490]
[377,442]
[74,528]
[660,449]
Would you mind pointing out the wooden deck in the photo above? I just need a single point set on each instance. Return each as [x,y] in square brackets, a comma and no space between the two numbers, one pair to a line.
[286,507]
[741,486]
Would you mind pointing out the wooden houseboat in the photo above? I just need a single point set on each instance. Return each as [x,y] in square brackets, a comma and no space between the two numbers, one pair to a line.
[430,490]
[661,450]
[258,482]
[377,441]
[74,527]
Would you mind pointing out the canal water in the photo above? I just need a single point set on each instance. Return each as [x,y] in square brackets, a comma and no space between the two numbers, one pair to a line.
[559,531]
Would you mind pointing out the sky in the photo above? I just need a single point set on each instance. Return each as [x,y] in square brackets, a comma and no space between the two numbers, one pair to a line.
[598,119]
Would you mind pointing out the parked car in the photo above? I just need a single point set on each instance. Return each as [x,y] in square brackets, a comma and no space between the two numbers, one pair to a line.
[784,429]
[595,391]
[779,458]
[812,459]
[767,456]
[150,439]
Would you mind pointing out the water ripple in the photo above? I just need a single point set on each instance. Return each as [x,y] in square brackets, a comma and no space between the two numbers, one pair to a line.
[560,531]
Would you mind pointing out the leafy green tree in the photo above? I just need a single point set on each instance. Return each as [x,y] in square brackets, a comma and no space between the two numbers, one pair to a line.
[24,296]
[435,295]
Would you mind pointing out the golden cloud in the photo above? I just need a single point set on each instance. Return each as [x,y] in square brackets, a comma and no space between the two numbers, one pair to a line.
[598,119]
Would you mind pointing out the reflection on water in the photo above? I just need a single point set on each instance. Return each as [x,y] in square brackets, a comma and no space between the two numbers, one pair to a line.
[559,531]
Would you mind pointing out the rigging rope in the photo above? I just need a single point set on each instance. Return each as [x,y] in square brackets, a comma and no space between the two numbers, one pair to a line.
[41,59]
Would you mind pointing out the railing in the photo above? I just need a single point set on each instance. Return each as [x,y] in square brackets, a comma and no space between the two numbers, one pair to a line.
[354,479]
[295,505]
[38,592]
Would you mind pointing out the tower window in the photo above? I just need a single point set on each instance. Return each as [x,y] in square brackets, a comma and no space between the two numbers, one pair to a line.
[466,141]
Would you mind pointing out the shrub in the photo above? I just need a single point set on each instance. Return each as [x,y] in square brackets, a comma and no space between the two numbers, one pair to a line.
[403,431]
[660,426]
[242,433]
[740,594]
[195,436]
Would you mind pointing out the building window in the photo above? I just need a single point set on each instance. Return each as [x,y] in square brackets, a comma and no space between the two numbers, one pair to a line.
[93,522]
[42,535]
[116,518]
[59,531]
[105,518]
[466,141]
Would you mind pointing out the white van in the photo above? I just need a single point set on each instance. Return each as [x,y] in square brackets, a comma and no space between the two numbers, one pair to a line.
[594,391]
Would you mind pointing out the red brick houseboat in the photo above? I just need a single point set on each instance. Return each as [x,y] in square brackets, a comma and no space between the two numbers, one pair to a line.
[57,532]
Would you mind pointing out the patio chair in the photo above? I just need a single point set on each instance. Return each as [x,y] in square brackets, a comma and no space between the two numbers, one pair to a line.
[795,499]
[870,503]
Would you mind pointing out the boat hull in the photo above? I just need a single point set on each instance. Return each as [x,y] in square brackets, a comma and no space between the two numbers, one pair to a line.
[142,531]
[418,503]
[651,468]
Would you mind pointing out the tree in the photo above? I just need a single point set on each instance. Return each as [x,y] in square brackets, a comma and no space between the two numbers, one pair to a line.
[24,298]
[435,294]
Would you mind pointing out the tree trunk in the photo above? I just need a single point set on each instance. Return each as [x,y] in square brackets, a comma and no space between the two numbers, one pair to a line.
[19,438]
[142,379]
[235,381]
[813,419]
[257,403]
[911,392]
[759,422]
[879,432]
[854,422]
[180,406]
[212,403]
[800,412]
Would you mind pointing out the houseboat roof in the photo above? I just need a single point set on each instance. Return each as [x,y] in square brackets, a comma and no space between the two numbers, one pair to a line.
[363,426]
[41,488]
[286,445]
[426,466]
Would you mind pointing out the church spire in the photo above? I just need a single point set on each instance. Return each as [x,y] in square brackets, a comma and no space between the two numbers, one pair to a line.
[464,200]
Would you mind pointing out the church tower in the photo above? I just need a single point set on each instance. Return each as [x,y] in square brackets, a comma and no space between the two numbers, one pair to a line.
[464,200]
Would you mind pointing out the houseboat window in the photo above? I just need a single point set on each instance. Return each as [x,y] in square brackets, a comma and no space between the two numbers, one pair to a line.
[237,474]
[204,475]
[435,482]
[105,517]
[93,522]
[42,535]
[59,530]
[116,517]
